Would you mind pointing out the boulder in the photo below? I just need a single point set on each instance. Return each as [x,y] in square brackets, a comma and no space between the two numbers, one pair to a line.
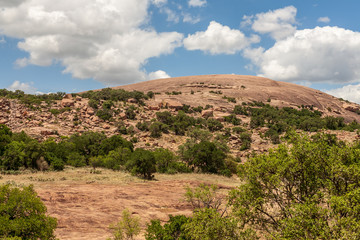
[132,100]
[67,102]
[68,96]
[153,107]
[172,104]
[207,113]
[122,116]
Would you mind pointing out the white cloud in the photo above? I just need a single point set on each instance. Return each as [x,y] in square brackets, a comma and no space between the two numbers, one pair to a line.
[2,40]
[278,23]
[171,15]
[26,87]
[348,92]
[324,19]
[190,19]
[104,40]
[219,39]
[10,3]
[322,54]
[158,74]
[197,3]
[159,2]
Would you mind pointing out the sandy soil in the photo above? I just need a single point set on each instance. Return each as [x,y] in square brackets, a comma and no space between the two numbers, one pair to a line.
[86,204]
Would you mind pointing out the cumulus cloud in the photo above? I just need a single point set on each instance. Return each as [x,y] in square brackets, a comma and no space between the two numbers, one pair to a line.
[158,74]
[348,92]
[219,39]
[26,87]
[278,23]
[104,40]
[322,54]
[324,19]
[197,3]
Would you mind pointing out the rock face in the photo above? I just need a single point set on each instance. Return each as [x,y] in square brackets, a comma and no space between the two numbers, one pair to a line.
[73,115]
[172,104]
[207,113]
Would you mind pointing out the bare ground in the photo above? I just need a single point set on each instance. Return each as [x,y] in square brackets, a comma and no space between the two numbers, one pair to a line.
[86,204]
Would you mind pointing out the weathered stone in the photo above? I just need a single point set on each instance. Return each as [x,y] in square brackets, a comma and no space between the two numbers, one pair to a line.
[106,126]
[153,107]
[67,102]
[132,100]
[68,96]
[207,113]
[172,104]
[122,116]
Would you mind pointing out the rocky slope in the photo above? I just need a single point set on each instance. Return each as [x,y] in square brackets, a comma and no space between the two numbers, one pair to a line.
[74,115]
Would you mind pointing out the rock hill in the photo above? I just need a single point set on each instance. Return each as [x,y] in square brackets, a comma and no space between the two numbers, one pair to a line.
[218,94]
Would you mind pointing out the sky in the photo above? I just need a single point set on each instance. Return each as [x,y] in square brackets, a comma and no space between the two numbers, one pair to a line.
[71,46]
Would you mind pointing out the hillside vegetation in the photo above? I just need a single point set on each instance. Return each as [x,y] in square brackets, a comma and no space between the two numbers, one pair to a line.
[296,156]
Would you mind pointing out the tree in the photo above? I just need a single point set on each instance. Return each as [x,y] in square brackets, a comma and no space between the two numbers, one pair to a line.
[208,224]
[5,137]
[23,215]
[127,228]
[13,157]
[205,156]
[142,163]
[302,191]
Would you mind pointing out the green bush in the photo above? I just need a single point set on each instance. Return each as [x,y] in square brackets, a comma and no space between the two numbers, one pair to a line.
[204,156]
[173,229]
[214,125]
[23,215]
[313,184]
[130,112]
[104,114]
[142,163]
[127,228]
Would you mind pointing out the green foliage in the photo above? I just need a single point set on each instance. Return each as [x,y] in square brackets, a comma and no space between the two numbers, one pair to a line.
[94,103]
[241,110]
[208,224]
[232,119]
[230,99]
[23,215]
[114,95]
[204,156]
[203,196]
[172,230]
[117,158]
[142,163]
[302,191]
[75,159]
[130,112]
[108,104]
[164,160]
[31,100]
[143,126]
[150,94]
[214,125]
[14,156]
[104,114]
[157,128]
[128,227]
[5,137]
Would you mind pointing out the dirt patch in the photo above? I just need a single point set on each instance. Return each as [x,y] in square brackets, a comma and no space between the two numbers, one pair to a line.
[85,207]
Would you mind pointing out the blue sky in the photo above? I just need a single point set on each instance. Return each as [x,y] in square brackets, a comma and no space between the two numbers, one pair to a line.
[71,46]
